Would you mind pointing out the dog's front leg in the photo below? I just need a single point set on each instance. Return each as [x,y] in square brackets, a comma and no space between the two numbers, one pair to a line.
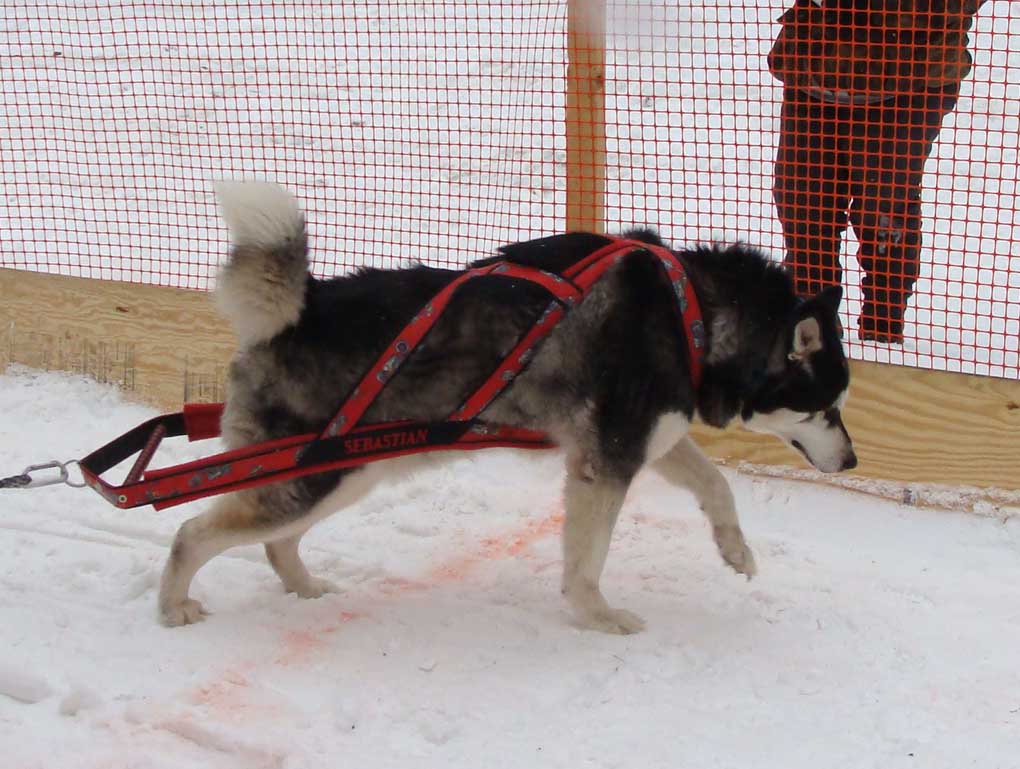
[686,466]
[592,506]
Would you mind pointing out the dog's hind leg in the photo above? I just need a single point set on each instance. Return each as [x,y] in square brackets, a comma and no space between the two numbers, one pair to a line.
[284,558]
[230,522]
[592,507]
[278,520]
[686,466]
[233,520]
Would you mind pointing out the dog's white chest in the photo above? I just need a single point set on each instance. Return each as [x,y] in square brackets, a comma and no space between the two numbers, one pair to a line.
[668,431]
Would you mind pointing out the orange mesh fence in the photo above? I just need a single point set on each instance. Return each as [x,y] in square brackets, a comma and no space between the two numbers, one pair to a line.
[410,131]
[861,147]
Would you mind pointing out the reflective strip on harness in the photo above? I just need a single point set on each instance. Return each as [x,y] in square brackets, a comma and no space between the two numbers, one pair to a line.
[344,443]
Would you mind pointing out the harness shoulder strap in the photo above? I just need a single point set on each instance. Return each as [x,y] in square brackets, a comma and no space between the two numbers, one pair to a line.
[587,271]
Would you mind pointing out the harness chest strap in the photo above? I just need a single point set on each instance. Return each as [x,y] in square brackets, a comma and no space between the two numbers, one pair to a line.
[344,443]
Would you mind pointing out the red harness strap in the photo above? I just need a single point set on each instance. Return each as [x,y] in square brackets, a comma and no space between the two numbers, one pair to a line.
[389,362]
[344,442]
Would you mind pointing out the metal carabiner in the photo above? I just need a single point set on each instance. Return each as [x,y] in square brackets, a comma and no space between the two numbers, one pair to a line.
[26,481]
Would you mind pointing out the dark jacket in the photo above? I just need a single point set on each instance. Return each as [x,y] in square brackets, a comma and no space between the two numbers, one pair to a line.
[861,51]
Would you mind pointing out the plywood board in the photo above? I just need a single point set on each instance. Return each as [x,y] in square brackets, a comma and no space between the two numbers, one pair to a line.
[161,345]
[168,346]
[912,426]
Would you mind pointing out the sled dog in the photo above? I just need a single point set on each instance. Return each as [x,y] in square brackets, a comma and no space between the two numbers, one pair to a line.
[611,384]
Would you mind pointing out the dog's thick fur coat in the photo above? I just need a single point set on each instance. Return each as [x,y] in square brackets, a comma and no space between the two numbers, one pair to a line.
[611,384]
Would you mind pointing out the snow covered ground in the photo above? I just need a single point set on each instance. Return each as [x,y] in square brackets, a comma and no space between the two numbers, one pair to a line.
[876,635]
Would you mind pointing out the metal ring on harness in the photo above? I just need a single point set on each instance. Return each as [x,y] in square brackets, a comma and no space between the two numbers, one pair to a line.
[26,481]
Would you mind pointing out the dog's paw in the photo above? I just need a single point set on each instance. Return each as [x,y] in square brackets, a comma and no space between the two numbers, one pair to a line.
[315,587]
[734,550]
[613,621]
[186,612]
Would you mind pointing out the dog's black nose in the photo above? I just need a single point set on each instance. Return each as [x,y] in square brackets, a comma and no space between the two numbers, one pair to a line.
[850,462]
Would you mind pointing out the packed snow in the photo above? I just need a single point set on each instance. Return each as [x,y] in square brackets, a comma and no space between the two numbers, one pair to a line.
[876,635]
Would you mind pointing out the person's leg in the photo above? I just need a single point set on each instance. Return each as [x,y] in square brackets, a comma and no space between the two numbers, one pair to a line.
[889,151]
[810,190]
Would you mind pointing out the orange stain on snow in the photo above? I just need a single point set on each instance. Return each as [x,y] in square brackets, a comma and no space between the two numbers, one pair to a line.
[298,645]
[493,548]
[231,694]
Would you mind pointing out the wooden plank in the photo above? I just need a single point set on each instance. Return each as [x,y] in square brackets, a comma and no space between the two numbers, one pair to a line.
[168,346]
[162,346]
[911,425]
[586,115]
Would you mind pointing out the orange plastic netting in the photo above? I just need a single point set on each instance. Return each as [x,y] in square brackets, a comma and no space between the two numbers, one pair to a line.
[867,148]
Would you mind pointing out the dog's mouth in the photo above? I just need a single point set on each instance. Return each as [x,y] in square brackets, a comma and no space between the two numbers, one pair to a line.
[848,462]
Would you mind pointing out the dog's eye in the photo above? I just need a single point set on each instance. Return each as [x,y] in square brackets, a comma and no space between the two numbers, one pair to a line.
[808,418]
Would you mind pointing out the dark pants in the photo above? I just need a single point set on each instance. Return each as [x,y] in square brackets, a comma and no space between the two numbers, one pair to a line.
[863,165]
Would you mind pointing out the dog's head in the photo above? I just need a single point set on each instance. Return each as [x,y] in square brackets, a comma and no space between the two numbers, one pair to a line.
[805,385]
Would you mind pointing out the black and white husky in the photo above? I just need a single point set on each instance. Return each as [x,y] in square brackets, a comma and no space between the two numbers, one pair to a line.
[608,385]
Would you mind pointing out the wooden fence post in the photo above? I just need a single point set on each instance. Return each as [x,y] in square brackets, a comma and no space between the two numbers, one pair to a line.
[586,115]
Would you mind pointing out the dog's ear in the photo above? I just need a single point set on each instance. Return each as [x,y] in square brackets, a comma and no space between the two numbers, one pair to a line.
[830,297]
[810,315]
[807,338]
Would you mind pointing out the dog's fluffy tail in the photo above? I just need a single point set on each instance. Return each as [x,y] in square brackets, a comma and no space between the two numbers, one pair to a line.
[261,290]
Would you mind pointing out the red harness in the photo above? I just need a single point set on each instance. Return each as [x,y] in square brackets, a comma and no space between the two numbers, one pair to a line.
[345,442]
